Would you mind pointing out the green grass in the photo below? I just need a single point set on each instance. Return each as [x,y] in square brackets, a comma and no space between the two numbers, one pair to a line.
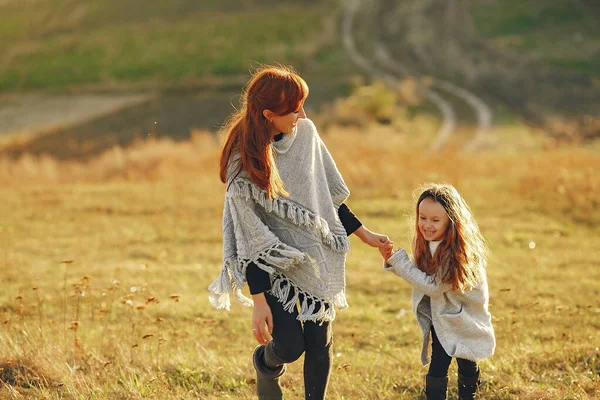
[562,32]
[66,43]
[60,44]
[586,65]
[511,17]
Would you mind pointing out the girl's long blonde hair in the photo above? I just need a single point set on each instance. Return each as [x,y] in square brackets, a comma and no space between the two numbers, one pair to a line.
[461,257]
[274,88]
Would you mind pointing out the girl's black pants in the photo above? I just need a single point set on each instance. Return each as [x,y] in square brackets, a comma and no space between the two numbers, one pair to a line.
[440,361]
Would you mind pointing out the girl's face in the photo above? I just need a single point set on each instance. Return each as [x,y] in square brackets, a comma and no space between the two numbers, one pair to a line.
[433,220]
[287,123]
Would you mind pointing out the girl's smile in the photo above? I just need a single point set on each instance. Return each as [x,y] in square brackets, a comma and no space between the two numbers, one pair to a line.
[433,220]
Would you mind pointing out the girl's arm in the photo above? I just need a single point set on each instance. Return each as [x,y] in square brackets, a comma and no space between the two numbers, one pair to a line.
[400,264]
[258,279]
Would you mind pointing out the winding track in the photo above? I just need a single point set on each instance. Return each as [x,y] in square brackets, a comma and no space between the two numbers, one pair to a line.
[480,108]
[449,116]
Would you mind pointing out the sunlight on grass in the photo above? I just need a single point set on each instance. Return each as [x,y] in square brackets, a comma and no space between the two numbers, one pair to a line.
[106,263]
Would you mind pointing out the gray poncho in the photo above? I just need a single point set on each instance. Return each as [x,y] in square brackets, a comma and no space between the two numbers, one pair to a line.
[298,240]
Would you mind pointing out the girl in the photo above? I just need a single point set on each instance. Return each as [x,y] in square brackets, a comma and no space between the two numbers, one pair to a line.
[450,292]
[285,230]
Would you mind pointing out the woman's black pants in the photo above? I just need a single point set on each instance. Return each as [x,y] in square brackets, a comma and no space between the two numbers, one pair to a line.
[291,338]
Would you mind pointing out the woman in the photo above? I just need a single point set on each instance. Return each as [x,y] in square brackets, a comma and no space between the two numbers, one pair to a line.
[285,228]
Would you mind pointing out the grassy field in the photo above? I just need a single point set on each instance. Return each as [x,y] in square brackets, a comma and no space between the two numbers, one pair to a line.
[105,267]
[182,43]
[562,32]
[110,45]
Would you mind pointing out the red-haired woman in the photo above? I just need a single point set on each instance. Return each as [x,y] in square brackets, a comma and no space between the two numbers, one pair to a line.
[285,231]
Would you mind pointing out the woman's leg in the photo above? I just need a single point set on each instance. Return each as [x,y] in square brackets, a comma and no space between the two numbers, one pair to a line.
[287,345]
[288,337]
[318,339]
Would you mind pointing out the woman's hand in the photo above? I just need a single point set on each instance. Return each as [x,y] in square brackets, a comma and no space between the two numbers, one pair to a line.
[374,239]
[262,319]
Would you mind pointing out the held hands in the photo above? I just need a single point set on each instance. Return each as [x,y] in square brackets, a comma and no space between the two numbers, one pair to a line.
[382,242]
[386,253]
[262,319]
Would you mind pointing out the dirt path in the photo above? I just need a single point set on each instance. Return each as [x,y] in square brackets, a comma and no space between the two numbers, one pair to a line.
[449,119]
[445,108]
[416,12]
[39,113]
[433,94]
[80,127]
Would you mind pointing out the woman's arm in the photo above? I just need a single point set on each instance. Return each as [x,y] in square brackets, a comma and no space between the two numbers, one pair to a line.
[373,239]
[401,265]
[350,222]
[258,279]
[353,225]
[262,319]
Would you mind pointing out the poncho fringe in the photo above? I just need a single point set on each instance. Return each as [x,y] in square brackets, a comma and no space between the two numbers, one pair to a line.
[286,209]
[281,288]
[233,275]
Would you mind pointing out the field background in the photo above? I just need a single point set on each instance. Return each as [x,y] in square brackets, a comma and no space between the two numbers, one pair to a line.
[92,44]
[129,316]
[110,229]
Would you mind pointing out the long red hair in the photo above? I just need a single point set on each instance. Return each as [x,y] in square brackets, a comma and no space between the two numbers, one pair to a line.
[247,133]
[461,256]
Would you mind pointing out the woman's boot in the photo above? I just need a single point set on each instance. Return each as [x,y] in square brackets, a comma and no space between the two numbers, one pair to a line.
[467,386]
[435,388]
[267,379]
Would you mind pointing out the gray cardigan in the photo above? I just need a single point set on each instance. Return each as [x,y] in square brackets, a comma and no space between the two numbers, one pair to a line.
[461,320]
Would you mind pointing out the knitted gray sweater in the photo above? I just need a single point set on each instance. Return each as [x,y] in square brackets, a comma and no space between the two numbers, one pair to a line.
[462,321]
[298,240]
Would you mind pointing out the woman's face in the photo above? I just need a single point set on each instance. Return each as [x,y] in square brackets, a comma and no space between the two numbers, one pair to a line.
[287,123]
[433,220]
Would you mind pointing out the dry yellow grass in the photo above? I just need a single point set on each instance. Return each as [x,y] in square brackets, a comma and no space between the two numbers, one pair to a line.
[105,267]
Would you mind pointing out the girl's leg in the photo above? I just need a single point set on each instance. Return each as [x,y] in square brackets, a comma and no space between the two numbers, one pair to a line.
[318,339]
[440,361]
[467,367]
[436,381]
[468,379]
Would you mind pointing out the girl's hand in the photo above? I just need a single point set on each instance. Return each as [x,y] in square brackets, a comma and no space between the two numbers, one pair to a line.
[386,253]
[262,319]
[374,239]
